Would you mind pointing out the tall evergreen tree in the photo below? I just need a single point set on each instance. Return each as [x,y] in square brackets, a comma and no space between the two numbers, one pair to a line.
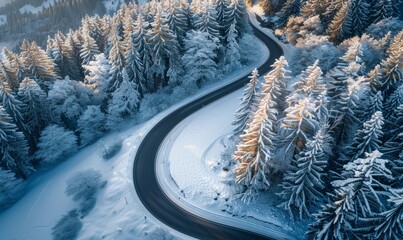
[13,147]
[199,57]
[303,185]
[250,102]
[116,59]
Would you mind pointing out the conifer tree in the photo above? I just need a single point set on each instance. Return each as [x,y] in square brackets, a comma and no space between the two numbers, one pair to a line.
[276,83]
[91,125]
[232,56]
[206,21]
[366,176]
[14,64]
[255,149]
[35,111]
[312,8]
[381,9]
[337,29]
[124,103]
[135,68]
[334,220]
[392,67]
[394,143]
[198,60]
[368,138]
[37,63]
[97,78]
[303,185]
[13,106]
[10,187]
[178,20]
[140,41]
[237,14]
[163,46]
[71,52]
[89,49]
[13,147]
[116,59]
[291,7]
[250,102]
[390,221]
[297,127]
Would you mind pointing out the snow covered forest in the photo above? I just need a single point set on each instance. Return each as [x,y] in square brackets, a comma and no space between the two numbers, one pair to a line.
[110,70]
[322,131]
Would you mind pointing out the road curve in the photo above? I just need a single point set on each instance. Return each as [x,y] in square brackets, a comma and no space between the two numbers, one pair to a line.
[144,174]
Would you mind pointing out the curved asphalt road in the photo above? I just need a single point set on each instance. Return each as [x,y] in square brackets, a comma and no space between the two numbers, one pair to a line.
[146,183]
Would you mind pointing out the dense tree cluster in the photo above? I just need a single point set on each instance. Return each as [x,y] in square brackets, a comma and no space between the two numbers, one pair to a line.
[35,26]
[329,144]
[342,19]
[93,79]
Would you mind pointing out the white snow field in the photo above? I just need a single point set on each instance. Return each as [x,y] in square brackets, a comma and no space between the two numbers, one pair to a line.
[118,213]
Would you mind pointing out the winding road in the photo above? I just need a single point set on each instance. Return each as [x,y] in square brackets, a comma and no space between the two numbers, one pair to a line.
[144,174]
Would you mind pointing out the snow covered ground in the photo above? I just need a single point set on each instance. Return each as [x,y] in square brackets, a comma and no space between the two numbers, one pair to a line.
[118,213]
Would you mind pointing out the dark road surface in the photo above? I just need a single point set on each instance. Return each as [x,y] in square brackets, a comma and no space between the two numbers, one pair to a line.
[144,173]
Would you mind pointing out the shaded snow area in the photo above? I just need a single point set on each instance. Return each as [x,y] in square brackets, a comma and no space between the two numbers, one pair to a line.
[118,213]
[199,173]
[32,9]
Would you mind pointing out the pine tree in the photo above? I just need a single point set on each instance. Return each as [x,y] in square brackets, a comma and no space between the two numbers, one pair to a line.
[232,56]
[368,138]
[334,220]
[392,67]
[14,64]
[198,60]
[357,20]
[6,75]
[337,29]
[237,15]
[255,149]
[36,111]
[124,103]
[393,101]
[55,144]
[14,107]
[135,68]
[89,49]
[39,66]
[291,7]
[206,21]
[163,46]
[13,147]
[97,78]
[250,102]
[312,8]
[297,127]
[116,59]
[390,221]
[10,188]
[178,20]
[276,83]
[381,9]
[140,41]
[394,143]
[91,125]
[310,85]
[367,176]
[303,184]
[71,52]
